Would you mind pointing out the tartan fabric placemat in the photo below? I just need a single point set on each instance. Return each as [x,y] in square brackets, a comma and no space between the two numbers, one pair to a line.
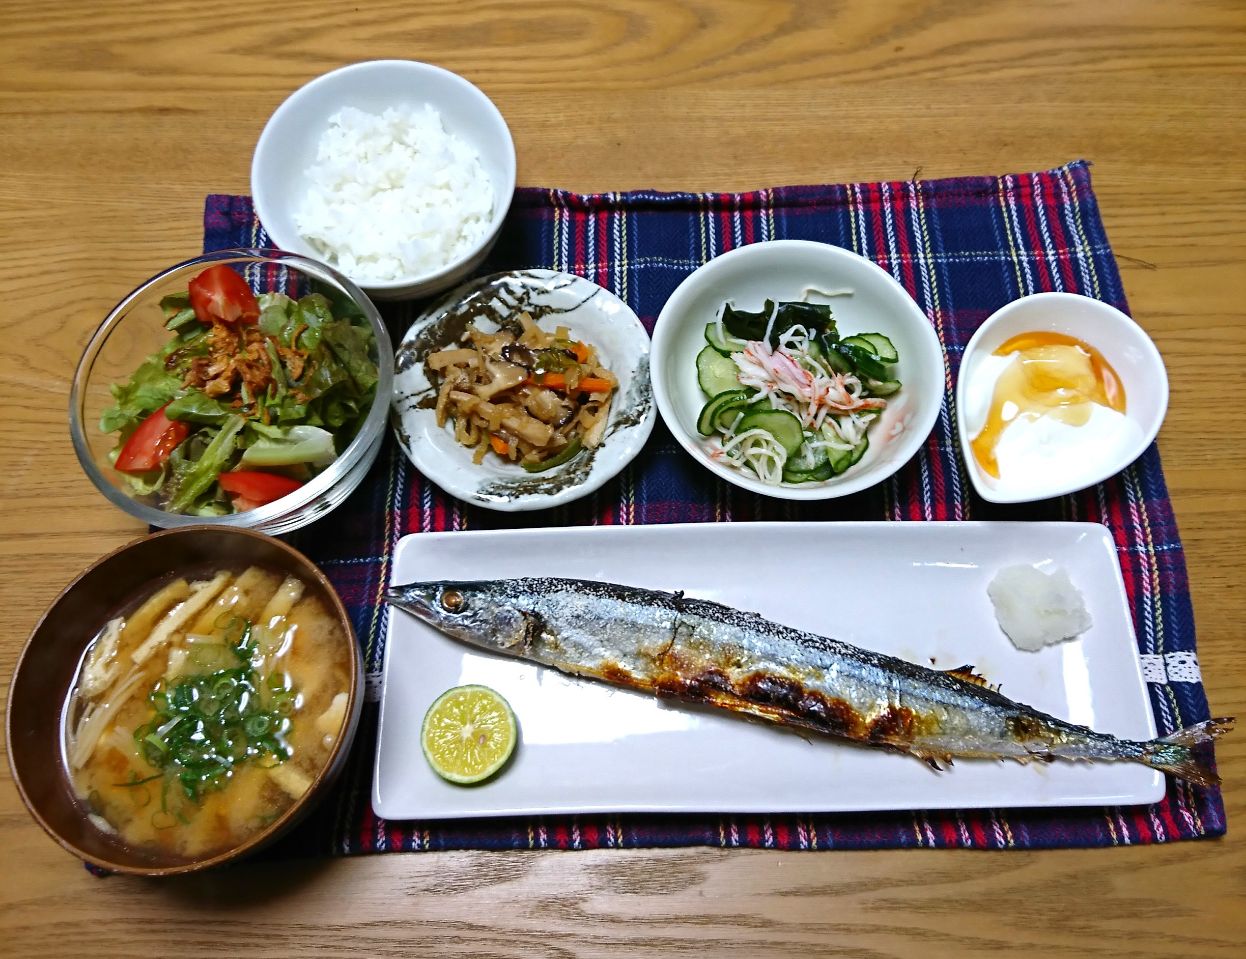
[962,247]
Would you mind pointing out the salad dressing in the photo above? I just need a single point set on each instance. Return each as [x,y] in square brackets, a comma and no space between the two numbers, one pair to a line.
[1052,375]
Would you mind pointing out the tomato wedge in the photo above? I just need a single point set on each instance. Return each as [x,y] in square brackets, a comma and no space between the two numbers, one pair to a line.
[256,487]
[220,295]
[150,444]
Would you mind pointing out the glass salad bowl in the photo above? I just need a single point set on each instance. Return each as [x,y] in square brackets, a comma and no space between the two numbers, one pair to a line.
[188,408]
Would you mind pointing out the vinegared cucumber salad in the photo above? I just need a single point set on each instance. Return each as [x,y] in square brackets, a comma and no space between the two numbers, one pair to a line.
[790,401]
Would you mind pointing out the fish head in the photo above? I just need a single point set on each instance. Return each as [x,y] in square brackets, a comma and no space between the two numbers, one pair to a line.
[481,613]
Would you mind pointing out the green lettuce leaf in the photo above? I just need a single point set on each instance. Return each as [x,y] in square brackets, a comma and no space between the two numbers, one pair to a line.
[177,311]
[196,477]
[280,316]
[288,447]
[148,389]
[196,407]
[275,311]
[314,311]
[350,346]
[141,484]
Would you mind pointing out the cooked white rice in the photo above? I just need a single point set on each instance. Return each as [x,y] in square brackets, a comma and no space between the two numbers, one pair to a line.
[394,195]
[1037,609]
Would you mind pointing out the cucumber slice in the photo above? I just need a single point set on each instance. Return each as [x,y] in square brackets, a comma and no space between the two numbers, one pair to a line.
[839,460]
[807,459]
[863,362]
[859,450]
[716,373]
[709,412]
[780,424]
[882,387]
[809,465]
[884,349]
[876,344]
[836,360]
[815,475]
[723,341]
[726,413]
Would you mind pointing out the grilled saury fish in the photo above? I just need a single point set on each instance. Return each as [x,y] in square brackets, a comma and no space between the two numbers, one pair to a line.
[699,651]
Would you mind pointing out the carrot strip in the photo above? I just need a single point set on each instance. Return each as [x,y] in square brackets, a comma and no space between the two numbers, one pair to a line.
[587,384]
[580,351]
[500,446]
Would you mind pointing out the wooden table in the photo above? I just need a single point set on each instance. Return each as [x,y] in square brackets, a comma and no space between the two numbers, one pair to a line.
[116,118]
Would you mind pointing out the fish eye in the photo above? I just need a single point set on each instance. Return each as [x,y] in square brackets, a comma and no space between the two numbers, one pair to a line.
[452,601]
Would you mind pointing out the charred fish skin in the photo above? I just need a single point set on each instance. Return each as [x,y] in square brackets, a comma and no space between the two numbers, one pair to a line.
[701,651]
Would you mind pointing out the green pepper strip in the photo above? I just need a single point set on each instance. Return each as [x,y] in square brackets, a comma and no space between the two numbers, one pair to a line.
[564,455]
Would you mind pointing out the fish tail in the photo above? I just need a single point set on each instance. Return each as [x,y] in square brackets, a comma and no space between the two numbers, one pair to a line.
[1174,753]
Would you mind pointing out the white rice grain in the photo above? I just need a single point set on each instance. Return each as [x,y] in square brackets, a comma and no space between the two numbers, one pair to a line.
[394,196]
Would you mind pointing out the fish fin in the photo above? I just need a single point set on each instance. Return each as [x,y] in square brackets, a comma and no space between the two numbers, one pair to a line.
[939,763]
[1173,753]
[1200,733]
[967,674]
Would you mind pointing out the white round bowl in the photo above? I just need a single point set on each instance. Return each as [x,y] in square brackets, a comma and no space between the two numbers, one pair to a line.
[1121,341]
[287,148]
[593,315]
[784,270]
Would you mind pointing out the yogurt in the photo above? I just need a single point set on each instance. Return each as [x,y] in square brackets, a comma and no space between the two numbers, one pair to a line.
[1044,405]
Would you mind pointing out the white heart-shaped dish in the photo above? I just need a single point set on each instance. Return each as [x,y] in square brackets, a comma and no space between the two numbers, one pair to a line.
[1056,472]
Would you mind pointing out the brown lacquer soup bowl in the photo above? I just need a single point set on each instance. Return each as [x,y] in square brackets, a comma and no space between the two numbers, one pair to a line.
[184,701]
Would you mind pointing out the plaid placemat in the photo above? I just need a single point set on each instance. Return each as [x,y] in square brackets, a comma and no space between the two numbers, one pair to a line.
[963,248]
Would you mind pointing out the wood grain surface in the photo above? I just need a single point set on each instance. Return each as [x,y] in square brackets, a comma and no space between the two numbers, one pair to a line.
[116,118]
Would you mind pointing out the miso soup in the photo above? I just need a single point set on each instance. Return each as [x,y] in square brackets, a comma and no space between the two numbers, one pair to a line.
[201,716]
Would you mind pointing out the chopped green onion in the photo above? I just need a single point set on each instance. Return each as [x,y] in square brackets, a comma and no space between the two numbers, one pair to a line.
[257,725]
[135,781]
[206,724]
[157,742]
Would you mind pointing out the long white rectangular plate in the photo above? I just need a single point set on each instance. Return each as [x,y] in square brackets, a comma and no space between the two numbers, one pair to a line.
[915,590]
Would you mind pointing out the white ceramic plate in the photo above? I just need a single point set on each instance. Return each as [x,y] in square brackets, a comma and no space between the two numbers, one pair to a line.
[592,314]
[797,270]
[916,590]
